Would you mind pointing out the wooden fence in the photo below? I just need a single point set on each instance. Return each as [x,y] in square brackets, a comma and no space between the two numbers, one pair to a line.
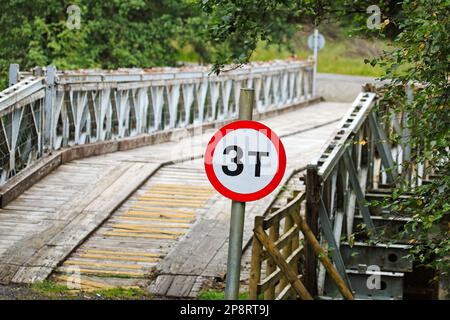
[280,250]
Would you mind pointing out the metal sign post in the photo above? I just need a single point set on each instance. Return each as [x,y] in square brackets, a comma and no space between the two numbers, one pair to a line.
[316,36]
[316,41]
[244,161]
[247,99]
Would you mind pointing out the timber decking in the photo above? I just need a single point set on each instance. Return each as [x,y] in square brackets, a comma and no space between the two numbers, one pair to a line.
[84,204]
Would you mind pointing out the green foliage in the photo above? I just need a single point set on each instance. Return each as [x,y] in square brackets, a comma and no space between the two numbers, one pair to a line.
[243,24]
[112,34]
[422,57]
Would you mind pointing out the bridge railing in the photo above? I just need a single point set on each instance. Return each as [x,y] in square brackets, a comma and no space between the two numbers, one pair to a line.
[359,157]
[280,250]
[55,109]
[21,119]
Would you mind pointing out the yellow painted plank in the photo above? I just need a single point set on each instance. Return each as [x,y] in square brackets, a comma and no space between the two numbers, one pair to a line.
[176,193]
[90,289]
[128,218]
[101,264]
[85,282]
[123,253]
[159,215]
[171,199]
[161,210]
[137,235]
[182,186]
[167,204]
[112,273]
[151,226]
[185,191]
[149,231]
[120,258]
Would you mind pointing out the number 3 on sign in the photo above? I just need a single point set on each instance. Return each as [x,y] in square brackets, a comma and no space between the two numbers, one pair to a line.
[245,160]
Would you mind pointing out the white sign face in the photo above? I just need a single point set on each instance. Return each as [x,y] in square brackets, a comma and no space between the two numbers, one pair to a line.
[245,160]
[320,41]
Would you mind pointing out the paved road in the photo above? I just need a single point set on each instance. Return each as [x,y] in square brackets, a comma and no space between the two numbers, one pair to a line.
[339,87]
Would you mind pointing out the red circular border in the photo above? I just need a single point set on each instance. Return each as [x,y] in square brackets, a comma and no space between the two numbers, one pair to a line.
[219,135]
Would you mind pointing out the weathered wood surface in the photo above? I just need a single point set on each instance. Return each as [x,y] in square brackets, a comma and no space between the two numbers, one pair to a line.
[37,253]
[83,199]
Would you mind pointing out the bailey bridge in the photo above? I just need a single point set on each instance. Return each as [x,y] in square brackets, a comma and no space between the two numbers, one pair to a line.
[102,175]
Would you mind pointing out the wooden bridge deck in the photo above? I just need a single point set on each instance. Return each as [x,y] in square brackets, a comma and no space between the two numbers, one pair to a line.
[118,217]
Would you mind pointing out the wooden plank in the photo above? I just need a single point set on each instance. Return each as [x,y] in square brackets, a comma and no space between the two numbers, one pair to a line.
[150,219]
[101,264]
[161,285]
[26,178]
[112,257]
[181,286]
[148,231]
[149,226]
[111,273]
[135,235]
[122,253]
[94,284]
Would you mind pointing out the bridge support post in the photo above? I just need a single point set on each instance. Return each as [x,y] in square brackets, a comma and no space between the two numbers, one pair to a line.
[312,218]
[13,74]
[47,131]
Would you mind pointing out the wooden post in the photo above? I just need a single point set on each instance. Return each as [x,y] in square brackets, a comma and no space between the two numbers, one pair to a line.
[274,234]
[312,216]
[255,268]
[287,250]
[296,240]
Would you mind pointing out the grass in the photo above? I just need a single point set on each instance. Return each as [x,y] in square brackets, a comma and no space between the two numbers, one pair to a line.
[49,289]
[218,295]
[122,293]
[53,290]
[341,56]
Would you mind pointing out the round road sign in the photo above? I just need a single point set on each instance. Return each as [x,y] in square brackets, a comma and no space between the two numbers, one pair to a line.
[245,160]
[320,41]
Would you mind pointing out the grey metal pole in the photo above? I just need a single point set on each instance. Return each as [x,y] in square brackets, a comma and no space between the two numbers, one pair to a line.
[13,75]
[246,103]
[316,43]
[47,134]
